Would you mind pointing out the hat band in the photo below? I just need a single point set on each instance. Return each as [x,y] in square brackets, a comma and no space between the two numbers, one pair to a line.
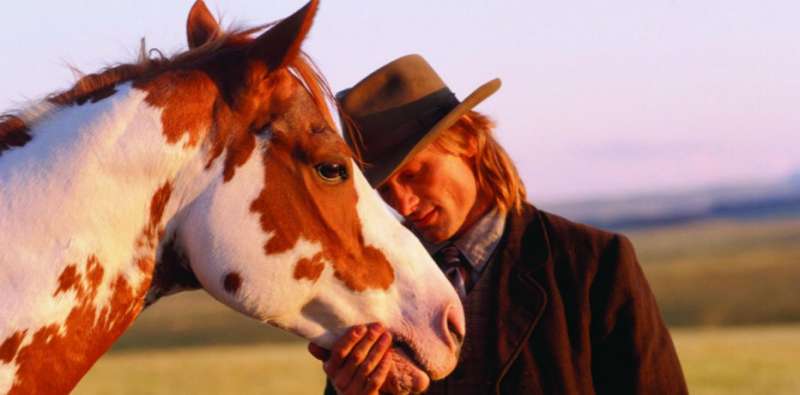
[400,124]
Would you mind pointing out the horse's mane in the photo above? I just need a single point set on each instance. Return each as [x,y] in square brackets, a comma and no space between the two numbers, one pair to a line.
[152,62]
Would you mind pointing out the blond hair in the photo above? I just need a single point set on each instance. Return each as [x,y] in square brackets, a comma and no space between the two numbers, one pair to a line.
[495,173]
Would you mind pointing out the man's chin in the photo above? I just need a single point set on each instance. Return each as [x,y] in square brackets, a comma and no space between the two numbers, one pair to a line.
[433,235]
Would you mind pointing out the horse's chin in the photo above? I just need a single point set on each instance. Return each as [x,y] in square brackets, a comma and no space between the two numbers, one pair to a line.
[405,376]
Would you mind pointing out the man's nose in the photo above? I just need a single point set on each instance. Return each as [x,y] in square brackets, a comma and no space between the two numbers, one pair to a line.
[403,201]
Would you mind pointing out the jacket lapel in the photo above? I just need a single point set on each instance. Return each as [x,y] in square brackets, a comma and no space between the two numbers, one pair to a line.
[521,299]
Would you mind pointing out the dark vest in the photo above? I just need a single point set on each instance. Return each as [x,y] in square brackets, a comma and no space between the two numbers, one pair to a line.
[472,376]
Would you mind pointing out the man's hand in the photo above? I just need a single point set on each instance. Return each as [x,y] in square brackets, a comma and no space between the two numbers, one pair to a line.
[358,363]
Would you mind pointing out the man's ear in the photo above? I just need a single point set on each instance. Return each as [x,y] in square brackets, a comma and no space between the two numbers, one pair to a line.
[471,146]
[201,27]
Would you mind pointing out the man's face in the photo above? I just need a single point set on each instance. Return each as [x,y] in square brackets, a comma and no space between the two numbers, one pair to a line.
[435,192]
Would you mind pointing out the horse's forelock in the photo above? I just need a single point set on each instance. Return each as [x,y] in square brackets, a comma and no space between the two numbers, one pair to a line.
[315,84]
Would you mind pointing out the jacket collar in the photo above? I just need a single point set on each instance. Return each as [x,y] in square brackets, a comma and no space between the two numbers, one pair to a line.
[521,299]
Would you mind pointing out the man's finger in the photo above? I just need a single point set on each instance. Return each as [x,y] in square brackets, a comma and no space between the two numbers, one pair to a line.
[378,376]
[318,352]
[371,360]
[360,351]
[347,370]
[341,349]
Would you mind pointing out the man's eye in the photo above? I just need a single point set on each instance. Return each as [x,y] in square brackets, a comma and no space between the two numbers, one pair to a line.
[332,172]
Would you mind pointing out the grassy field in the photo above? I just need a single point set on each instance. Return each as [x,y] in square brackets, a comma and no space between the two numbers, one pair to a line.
[729,361]
[741,360]
[728,290]
[241,370]
[724,273]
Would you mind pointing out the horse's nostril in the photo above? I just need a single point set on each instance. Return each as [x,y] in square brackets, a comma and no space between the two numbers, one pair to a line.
[454,322]
[457,336]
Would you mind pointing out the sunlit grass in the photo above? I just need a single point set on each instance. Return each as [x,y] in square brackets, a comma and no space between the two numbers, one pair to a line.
[716,361]
[255,369]
[741,361]
[724,273]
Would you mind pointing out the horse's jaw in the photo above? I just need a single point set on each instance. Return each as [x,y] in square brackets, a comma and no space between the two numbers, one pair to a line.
[423,347]
[419,353]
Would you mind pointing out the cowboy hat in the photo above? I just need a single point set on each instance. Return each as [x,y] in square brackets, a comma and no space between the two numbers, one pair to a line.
[398,110]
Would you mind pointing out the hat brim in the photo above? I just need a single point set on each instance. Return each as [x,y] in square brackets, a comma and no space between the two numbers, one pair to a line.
[404,154]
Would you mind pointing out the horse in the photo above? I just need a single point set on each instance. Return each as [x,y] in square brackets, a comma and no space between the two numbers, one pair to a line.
[218,168]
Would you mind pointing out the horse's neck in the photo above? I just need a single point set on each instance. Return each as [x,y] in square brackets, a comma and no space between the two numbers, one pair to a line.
[82,207]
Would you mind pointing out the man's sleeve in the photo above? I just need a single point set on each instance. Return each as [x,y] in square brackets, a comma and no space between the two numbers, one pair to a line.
[632,350]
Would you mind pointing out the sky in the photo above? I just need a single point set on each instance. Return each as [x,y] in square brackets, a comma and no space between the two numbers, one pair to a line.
[599,98]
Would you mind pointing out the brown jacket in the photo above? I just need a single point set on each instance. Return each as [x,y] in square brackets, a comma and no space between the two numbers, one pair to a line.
[575,314]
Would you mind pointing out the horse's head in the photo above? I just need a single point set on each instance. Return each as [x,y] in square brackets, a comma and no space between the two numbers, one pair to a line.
[286,229]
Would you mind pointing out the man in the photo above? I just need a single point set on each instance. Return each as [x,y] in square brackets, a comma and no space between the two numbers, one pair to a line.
[552,307]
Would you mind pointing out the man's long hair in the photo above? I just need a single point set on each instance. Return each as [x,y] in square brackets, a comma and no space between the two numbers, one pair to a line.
[495,173]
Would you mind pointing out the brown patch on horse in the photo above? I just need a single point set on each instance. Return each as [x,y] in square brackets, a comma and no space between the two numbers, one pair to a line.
[13,133]
[309,269]
[153,231]
[63,353]
[295,203]
[197,104]
[8,350]
[186,99]
[158,203]
[239,151]
[232,282]
[172,272]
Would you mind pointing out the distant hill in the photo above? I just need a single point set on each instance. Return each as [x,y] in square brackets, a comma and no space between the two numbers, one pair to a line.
[795,179]
[756,200]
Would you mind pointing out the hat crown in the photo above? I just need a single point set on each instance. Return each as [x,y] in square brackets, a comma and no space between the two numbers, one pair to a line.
[399,109]
[396,84]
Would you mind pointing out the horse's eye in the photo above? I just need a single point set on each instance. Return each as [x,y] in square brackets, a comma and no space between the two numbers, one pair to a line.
[332,172]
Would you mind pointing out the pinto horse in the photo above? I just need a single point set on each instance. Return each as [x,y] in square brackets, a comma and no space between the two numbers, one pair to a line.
[217,168]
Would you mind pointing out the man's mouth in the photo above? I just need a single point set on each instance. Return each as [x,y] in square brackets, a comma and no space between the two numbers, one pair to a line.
[424,220]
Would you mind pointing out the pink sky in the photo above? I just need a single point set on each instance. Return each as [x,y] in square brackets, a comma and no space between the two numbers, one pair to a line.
[599,97]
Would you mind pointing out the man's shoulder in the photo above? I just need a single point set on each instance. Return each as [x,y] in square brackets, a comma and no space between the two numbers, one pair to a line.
[570,240]
[563,228]
[559,230]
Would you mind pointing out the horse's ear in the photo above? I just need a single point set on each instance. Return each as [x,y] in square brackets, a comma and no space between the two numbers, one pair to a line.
[201,27]
[280,44]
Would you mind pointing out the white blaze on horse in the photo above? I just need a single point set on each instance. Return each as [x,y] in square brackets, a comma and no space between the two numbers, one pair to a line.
[218,168]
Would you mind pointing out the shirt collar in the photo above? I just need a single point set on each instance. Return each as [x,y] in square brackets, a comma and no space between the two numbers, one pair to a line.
[479,241]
